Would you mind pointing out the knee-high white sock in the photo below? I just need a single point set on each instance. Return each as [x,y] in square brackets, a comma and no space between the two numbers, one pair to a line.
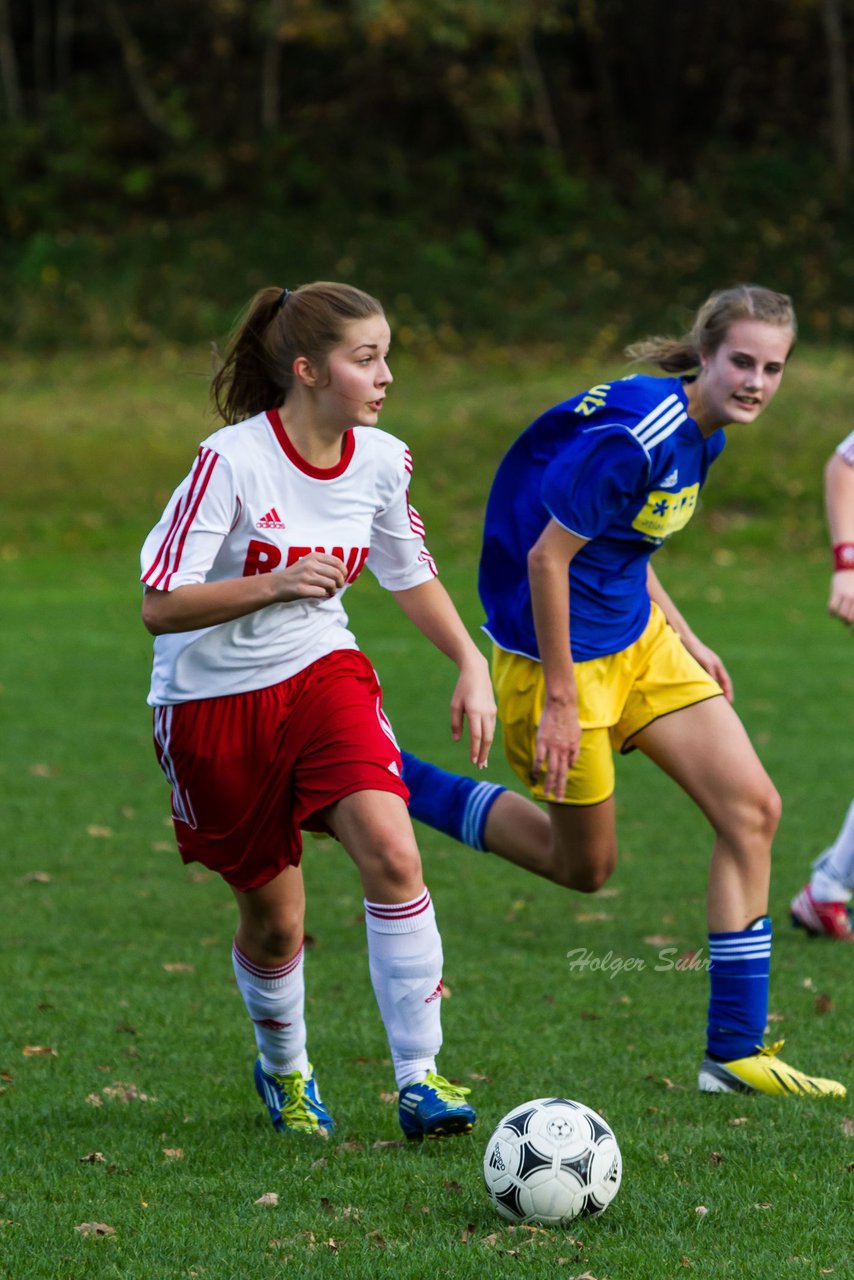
[833,870]
[405,957]
[275,1001]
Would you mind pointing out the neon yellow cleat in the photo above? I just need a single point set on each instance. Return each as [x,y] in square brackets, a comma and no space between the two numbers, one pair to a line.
[763,1072]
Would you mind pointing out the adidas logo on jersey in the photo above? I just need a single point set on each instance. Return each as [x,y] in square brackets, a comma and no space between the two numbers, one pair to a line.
[669,481]
[272,520]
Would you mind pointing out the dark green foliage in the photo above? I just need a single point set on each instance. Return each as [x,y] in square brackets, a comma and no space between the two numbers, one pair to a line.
[562,169]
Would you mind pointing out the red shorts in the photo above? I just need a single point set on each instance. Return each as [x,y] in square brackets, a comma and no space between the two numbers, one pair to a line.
[249,770]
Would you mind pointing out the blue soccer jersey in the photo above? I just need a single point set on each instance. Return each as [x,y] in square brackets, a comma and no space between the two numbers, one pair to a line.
[620,465]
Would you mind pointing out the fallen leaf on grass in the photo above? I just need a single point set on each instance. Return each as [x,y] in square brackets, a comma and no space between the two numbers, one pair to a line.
[452,1186]
[589,917]
[100,833]
[701,1210]
[666,1081]
[348,1146]
[468,1234]
[388,1097]
[658,939]
[95,1229]
[716,1158]
[823,1003]
[41,771]
[178,967]
[94,1100]
[737,1120]
[36,877]
[38,1050]
[375,1239]
[94,1157]
[763,1206]
[847,1127]
[383,1145]
[480,1079]
[173,1153]
[122,1092]
[269,1200]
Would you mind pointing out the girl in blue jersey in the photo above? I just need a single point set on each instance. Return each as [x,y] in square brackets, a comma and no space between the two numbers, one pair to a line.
[578,505]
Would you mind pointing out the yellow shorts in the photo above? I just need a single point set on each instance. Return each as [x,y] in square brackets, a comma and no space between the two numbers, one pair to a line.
[618,695]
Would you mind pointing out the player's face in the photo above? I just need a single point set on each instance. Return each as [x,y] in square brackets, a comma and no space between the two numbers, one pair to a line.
[358,372]
[738,380]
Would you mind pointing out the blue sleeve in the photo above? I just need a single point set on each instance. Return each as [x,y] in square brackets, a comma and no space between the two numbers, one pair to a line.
[601,472]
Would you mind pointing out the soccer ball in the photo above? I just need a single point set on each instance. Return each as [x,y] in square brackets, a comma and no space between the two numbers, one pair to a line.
[551,1160]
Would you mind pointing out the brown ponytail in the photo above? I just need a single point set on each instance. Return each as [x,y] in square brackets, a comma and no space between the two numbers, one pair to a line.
[718,312]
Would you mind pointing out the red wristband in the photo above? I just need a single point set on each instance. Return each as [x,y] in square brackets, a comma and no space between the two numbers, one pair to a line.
[843,556]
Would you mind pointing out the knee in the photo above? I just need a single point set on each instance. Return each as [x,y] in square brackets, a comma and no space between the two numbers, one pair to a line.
[391,861]
[587,869]
[754,820]
[764,810]
[280,935]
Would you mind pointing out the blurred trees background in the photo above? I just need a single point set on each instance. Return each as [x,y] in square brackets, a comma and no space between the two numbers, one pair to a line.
[569,170]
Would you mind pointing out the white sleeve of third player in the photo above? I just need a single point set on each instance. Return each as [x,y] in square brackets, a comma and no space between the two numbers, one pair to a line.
[398,557]
[845,449]
[183,545]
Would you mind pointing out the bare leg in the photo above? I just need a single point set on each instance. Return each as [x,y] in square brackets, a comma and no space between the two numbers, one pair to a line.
[375,829]
[271,925]
[571,845]
[705,748]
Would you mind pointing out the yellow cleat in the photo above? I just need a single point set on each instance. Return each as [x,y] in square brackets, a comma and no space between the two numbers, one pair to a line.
[763,1072]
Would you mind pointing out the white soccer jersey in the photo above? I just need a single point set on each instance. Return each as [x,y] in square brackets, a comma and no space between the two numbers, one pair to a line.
[250,505]
[845,449]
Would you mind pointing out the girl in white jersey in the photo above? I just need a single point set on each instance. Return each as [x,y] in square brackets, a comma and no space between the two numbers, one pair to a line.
[822,905]
[267,717]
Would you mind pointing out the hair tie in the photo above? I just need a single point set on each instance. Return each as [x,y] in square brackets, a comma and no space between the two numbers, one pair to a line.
[283,297]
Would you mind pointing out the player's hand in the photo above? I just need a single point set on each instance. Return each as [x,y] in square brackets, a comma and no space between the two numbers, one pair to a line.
[841,602]
[711,663]
[558,744]
[474,700]
[316,576]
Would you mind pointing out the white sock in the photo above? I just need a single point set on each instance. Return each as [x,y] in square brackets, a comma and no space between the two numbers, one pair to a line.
[275,1001]
[405,957]
[833,871]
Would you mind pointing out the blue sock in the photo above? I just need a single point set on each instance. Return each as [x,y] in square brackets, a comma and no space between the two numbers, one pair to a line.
[738,1007]
[449,802]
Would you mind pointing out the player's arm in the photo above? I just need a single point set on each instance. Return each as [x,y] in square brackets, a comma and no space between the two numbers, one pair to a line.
[706,657]
[206,604]
[433,612]
[559,732]
[839,505]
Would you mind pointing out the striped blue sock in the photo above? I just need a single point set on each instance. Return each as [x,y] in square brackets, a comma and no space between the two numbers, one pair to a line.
[738,1006]
[449,802]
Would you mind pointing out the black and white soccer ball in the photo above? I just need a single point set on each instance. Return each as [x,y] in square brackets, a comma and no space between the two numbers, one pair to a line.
[551,1160]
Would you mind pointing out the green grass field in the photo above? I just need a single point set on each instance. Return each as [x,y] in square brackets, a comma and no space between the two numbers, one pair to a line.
[125,1059]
